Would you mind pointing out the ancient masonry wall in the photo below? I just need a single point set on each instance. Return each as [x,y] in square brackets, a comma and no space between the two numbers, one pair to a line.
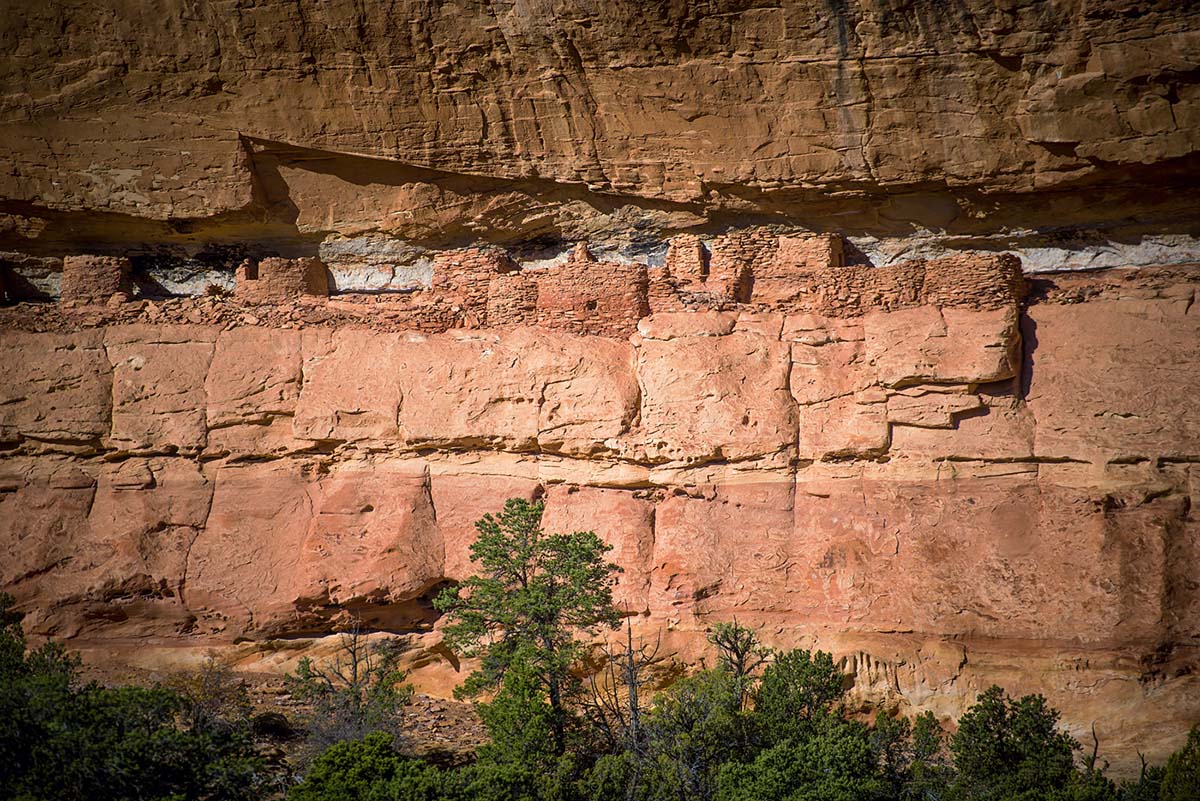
[585,296]
[755,269]
[95,279]
[173,478]
[275,280]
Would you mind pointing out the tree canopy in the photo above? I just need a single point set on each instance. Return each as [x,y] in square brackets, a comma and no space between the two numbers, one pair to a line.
[532,595]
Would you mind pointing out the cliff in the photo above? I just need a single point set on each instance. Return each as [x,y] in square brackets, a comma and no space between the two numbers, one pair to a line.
[777,297]
[945,488]
[1067,132]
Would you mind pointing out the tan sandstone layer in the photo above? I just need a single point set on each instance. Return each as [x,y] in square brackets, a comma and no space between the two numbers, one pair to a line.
[945,497]
[663,102]
[182,129]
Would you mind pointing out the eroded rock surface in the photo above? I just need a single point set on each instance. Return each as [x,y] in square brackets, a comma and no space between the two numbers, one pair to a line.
[945,497]
[194,135]
[338,281]
[717,95]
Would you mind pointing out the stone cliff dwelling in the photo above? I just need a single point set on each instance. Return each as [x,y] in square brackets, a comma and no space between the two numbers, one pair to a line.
[486,288]
[870,325]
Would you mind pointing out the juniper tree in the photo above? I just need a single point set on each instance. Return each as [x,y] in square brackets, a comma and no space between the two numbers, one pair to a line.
[739,652]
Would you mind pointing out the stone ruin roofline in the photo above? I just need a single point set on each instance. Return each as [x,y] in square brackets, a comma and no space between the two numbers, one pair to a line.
[749,270]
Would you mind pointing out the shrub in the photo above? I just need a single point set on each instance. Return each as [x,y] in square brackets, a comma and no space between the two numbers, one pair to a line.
[797,688]
[359,691]
[369,769]
[1181,778]
[691,730]
[1005,748]
[67,741]
[834,762]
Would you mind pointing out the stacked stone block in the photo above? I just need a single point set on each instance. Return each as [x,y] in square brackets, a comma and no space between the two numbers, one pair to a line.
[662,293]
[584,296]
[796,258]
[964,281]
[736,259]
[93,280]
[512,300]
[276,280]
[687,258]
[978,282]
[791,274]
[803,251]
[467,276]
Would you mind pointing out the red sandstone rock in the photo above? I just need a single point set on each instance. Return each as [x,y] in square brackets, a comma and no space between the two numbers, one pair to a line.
[844,427]
[252,389]
[670,325]
[622,520]
[709,398]
[928,345]
[158,387]
[350,391]
[246,574]
[1120,392]
[829,370]
[720,105]
[56,387]
[930,408]
[464,496]
[373,539]
[882,472]
[589,396]
[897,488]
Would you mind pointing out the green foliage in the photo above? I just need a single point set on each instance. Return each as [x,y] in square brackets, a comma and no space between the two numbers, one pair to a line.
[1088,785]
[369,769]
[613,705]
[835,762]
[891,741]
[1146,787]
[359,691]
[797,688]
[495,781]
[534,591]
[691,730]
[615,777]
[929,775]
[1181,778]
[519,720]
[1006,749]
[63,740]
[697,745]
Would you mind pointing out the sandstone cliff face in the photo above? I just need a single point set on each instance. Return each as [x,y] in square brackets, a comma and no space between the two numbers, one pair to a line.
[902,461]
[185,129]
[658,102]
[945,497]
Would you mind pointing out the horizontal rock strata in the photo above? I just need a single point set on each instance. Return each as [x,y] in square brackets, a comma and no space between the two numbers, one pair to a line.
[192,136]
[946,494]
[150,110]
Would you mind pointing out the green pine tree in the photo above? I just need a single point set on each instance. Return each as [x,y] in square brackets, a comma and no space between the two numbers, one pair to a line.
[534,593]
